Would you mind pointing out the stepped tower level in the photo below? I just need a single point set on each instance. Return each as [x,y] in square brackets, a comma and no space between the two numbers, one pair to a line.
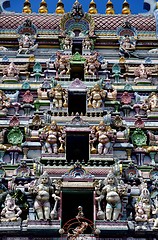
[78,122]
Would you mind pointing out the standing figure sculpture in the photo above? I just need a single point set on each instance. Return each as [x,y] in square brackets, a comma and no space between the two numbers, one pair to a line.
[110,193]
[58,96]
[42,189]
[51,136]
[104,135]
[62,65]
[4,103]
[92,65]
[96,96]
[66,43]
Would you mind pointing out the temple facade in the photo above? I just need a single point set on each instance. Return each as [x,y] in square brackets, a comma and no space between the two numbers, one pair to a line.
[78,123]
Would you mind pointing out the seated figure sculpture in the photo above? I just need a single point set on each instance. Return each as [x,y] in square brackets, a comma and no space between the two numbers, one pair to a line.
[42,189]
[144,208]
[50,137]
[153,138]
[127,46]
[110,192]
[58,96]
[11,212]
[151,103]
[142,74]
[27,44]
[11,71]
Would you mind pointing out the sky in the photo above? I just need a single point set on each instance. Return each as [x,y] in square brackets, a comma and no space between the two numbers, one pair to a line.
[136,6]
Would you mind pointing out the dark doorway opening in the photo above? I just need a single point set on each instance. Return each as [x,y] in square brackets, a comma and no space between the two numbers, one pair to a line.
[77,46]
[71,199]
[77,146]
[77,102]
[77,71]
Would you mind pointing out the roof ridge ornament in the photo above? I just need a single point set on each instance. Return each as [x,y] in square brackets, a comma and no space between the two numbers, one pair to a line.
[77,11]
[27,7]
[60,7]
[92,7]
[109,8]
[43,7]
[125,7]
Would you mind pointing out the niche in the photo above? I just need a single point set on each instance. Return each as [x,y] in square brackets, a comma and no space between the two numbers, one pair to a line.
[77,146]
[71,199]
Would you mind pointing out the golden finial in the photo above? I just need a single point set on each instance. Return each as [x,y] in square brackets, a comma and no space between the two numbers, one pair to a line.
[126,8]
[60,7]
[43,7]
[156,5]
[92,7]
[27,7]
[109,8]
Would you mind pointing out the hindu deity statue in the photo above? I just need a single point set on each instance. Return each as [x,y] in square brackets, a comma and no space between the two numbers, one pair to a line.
[42,189]
[11,212]
[104,136]
[93,140]
[92,65]
[151,103]
[112,196]
[4,103]
[66,43]
[127,46]
[87,43]
[62,65]
[77,11]
[142,74]
[11,71]
[27,44]
[144,208]
[96,95]
[51,136]
[58,96]
[111,94]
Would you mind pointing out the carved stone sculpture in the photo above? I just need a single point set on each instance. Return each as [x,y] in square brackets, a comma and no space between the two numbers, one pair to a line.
[4,103]
[96,96]
[58,97]
[27,44]
[92,65]
[104,135]
[127,46]
[61,65]
[142,74]
[11,72]
[144,208]
[42,190]
[50,136]
[11,212]
[66,43]
[110,192]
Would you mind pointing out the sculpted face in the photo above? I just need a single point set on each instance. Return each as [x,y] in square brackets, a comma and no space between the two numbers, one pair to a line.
[44,179]
[111,180]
